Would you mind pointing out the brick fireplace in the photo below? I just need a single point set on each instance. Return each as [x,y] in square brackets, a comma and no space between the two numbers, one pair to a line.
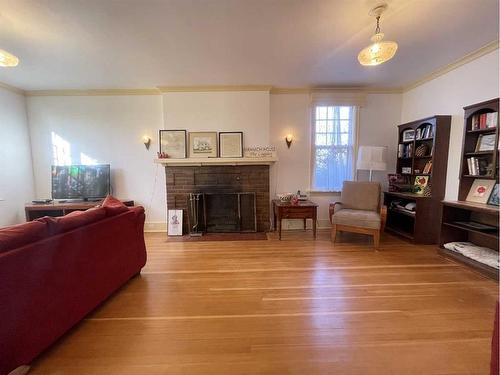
[232,198]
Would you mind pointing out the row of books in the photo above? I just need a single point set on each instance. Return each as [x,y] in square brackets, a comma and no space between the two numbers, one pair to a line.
[405,150]
[427,167]
[477,166]
[424,132]
[484,121]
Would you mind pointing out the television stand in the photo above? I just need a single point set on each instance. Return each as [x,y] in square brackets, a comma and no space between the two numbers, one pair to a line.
[35,211]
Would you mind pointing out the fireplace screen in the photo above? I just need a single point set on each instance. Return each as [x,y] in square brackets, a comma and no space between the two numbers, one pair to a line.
[229,212]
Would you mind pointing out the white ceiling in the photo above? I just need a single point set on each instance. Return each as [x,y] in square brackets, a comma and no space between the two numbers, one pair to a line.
[91,44]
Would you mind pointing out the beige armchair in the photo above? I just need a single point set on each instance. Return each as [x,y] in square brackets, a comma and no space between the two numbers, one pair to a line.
[359,210]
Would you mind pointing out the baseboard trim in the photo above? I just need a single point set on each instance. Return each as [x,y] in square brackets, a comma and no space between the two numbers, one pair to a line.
[155,226]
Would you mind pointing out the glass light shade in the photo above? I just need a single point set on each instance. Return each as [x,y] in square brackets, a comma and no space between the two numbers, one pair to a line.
[378,52]
[7,59]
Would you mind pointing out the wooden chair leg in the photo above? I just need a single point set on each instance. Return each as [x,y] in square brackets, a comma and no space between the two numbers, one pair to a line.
[334,232]
[376,239]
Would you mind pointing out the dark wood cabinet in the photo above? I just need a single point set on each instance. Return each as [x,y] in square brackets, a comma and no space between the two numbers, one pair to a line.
[455,213]
[429,145]
[36,210]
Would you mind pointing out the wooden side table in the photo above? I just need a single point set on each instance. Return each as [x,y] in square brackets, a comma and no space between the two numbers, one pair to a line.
[302,210]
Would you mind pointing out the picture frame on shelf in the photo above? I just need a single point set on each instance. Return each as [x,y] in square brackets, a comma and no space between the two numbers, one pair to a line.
[420,184]
[231,144]
[494,199]
[203,145]
[173,143]
[480,190]
[485,142]
[408,135]
[174,223]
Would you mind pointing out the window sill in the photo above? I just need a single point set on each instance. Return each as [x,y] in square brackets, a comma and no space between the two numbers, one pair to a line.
[323,192]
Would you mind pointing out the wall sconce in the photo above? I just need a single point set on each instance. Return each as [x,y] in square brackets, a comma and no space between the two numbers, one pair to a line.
[147,141]
[288,140]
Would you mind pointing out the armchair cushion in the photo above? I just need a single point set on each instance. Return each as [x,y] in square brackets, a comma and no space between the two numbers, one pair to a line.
[360,195]
[357,218]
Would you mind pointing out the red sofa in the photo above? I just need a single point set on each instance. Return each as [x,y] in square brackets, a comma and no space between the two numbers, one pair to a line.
[54,271]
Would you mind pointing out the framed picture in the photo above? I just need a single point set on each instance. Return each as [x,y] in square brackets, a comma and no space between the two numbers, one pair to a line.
[202,144]
[173,143]
[485,142]
[495,196]
[231,144]
[420,184]
[174,223]
[408,135]
[406,170]
[480,190]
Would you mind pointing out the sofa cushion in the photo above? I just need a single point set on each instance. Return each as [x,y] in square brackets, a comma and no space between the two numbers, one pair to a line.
[360,195]
[73,220]
[19,235]
[357,218]
[113,206]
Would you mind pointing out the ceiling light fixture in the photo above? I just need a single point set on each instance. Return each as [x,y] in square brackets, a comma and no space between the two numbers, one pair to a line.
[8,59]
[380,51]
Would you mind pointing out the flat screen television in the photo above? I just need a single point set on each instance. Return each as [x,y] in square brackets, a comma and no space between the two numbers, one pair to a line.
[80,181]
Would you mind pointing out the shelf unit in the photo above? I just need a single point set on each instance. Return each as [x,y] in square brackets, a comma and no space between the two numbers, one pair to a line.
[462,210]
[421,226]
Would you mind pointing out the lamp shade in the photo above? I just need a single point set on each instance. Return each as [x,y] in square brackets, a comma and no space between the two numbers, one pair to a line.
[372,158]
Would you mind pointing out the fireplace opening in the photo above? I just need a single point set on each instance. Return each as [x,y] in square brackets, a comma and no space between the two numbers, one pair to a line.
[229,212]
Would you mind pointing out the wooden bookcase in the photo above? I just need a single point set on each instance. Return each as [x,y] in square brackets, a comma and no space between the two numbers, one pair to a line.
[462,210]
[422,226]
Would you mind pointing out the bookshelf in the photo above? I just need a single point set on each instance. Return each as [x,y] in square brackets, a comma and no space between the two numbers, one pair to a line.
[455,213]
[425,154]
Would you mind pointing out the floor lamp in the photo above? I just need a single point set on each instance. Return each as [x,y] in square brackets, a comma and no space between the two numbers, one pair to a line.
[372,158]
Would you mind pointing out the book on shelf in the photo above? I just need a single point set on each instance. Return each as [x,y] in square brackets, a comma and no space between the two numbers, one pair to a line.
[424,132]
[405,150]
[478,166]
[427,167]
[484,121]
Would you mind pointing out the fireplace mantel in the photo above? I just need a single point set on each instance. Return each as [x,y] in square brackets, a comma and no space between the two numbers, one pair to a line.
[198,162]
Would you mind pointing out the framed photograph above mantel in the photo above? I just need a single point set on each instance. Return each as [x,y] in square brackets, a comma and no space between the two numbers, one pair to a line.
[202,144]
[173,143]
[231,144]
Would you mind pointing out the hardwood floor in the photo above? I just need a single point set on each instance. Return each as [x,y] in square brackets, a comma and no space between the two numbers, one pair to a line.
[287,307]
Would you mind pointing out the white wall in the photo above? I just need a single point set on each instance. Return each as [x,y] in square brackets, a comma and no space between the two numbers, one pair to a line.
[16,171]
[474,82]
[290,113]
[246,111]
[108,129]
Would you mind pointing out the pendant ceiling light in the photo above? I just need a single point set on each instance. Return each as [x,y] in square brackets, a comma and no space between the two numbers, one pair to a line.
[380,51]
[7,59]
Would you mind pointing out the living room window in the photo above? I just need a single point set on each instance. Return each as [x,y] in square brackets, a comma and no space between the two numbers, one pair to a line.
[333,146]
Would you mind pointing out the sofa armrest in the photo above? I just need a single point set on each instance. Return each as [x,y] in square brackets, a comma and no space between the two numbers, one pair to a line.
[331,209]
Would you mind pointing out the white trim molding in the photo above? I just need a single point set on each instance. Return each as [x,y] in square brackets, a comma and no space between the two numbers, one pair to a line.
[490,47]
[13,89]
[212,88]
[96,92]
[155,226]
[338,98]
[216,161]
